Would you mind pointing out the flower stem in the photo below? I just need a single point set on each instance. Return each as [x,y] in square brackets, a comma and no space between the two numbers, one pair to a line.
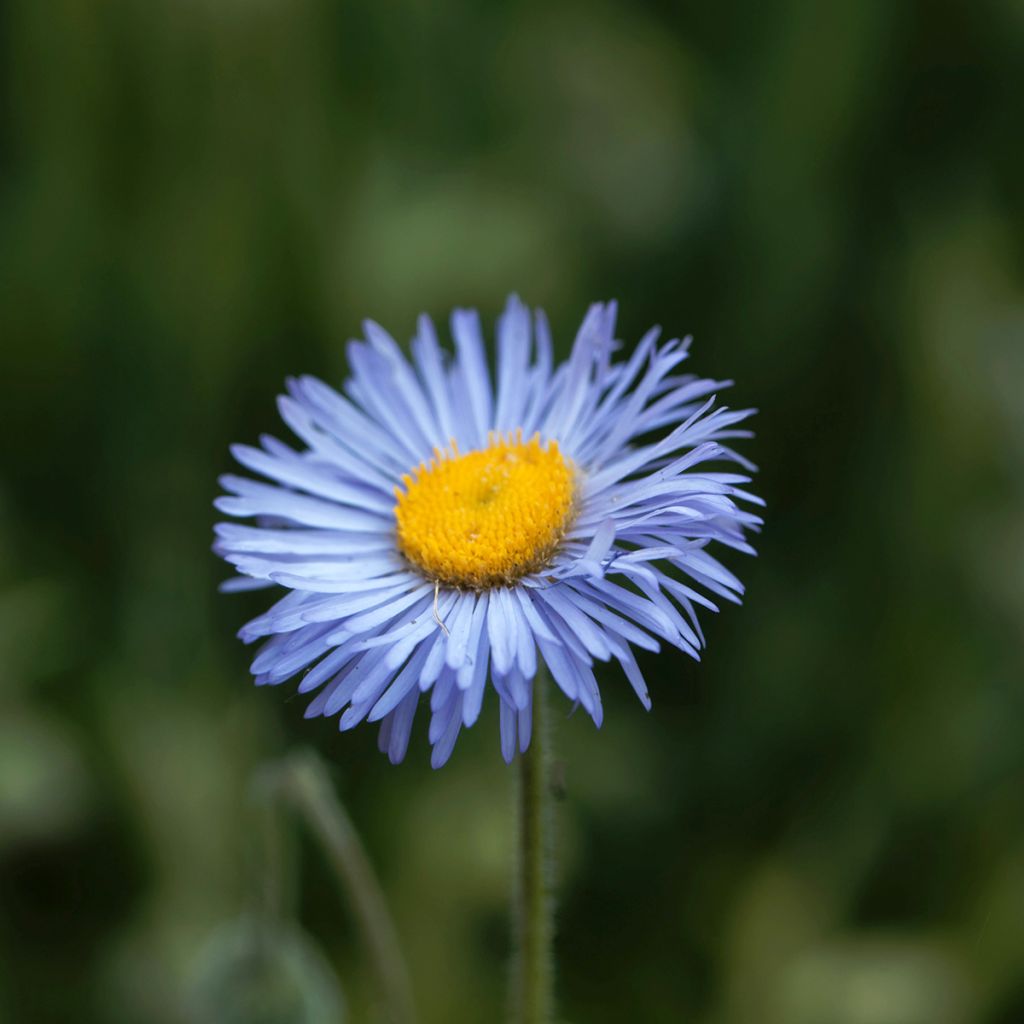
[309,789]
[533,995]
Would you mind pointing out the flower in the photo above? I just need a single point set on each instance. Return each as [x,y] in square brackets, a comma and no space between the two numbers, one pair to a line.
[436,532]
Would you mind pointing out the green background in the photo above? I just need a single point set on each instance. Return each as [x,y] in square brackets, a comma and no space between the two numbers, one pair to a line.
[822,823]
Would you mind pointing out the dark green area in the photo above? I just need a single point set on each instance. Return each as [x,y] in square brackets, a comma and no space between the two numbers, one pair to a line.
[822,823]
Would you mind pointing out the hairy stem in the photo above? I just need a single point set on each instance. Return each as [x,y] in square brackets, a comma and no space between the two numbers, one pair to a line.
[533,980]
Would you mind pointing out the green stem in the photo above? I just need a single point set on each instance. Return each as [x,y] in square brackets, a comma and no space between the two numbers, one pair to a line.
[533,996]
[309,789]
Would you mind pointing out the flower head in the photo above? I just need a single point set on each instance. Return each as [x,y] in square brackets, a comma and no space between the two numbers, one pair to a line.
[437,532]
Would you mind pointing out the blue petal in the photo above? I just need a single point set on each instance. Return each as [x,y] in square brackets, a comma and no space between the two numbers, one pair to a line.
[476,382]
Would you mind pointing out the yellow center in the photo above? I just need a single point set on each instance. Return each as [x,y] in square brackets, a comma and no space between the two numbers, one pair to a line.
[488,517]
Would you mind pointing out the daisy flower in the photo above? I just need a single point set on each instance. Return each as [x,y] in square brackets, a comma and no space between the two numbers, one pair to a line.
[439,530]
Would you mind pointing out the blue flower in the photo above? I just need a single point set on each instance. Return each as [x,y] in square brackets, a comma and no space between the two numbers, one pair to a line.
[436,531]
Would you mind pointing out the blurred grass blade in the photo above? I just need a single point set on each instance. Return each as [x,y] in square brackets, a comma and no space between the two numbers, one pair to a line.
[308,788]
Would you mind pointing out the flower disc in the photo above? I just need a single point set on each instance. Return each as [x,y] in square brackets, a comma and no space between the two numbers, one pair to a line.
[486,518]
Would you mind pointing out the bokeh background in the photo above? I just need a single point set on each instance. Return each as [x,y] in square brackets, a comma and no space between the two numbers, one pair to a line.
[823,823]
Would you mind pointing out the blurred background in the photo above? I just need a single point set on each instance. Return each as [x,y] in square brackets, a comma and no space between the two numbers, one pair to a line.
[822,823]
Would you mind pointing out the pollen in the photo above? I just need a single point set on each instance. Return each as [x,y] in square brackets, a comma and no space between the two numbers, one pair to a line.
[485,518]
